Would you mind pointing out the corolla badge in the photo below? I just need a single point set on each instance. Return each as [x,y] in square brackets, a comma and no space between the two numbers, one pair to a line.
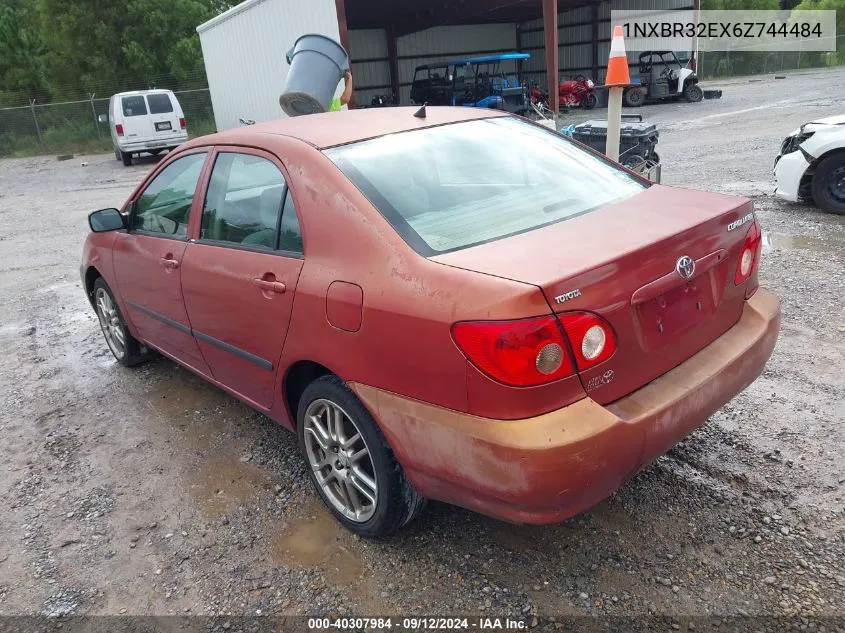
[685,267]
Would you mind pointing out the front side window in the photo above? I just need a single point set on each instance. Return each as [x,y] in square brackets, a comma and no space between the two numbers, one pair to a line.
[166,202]
[243,204]
[453,186]
[159,103]
[134,106]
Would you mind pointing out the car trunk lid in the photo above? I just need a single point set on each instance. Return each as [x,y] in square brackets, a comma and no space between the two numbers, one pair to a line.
[620,262]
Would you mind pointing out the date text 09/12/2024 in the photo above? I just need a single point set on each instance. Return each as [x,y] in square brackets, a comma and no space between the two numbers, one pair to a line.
[417,624]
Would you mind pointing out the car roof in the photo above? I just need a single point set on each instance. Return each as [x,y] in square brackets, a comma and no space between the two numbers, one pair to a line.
[331,129]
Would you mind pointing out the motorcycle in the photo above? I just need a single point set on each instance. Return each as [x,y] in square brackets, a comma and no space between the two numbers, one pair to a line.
[577,92]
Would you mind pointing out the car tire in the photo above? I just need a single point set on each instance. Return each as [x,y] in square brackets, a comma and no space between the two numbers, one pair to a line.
[693,93]
[828,185]
[131,352]
[634,97]
[383,508]
[117,154]
[127,158]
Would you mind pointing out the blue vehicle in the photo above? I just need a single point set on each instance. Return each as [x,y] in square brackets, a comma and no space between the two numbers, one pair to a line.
[474,82]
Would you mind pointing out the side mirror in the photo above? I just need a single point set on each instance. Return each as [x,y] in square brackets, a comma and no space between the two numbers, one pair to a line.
[103,118]
[106,220]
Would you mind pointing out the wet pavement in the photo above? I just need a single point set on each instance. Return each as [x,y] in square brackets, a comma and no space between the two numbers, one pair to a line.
[147,491]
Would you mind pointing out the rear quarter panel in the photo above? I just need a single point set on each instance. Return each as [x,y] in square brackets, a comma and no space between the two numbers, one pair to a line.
[404,344]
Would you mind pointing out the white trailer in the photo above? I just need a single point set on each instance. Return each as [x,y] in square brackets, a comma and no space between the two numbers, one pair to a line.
[244,52]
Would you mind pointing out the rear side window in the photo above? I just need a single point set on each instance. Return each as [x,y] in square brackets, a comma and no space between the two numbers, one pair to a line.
[159,103]
[243,204]
[453,186]
[134,106]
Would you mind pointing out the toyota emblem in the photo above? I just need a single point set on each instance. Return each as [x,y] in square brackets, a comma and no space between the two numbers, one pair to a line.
[685,267]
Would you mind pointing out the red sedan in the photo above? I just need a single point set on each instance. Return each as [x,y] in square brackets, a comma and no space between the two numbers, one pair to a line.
[465,307]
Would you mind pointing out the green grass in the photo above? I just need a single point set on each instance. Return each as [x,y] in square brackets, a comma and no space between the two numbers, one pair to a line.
[202,128]
[73,138]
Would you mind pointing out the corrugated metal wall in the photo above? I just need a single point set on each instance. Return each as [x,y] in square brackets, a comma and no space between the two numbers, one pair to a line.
[444,43]
[370,65]
[244,51]
[575,33]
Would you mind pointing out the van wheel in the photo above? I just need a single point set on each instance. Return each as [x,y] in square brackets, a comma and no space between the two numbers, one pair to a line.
[127,158]
[350,463]
[116,154]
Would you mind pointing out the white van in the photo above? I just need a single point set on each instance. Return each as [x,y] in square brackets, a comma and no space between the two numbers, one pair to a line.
[145,121]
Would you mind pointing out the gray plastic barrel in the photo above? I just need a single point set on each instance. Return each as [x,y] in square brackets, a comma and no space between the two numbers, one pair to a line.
[317,64]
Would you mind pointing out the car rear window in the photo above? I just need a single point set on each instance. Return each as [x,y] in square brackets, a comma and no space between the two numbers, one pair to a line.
[159,103]
[453,186]
[134,106]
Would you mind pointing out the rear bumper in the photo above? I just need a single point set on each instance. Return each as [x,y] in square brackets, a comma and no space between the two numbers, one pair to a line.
[152,144]
[549,468]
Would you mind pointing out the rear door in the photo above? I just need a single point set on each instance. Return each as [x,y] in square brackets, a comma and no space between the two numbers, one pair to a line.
[148,259]
[137,125]
[163,115]
[240,276]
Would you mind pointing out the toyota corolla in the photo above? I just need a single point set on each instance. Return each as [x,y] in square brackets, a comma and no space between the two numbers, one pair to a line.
[460,305]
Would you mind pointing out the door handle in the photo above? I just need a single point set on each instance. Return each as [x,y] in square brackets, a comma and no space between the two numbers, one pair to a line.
[276,287]
[170,263]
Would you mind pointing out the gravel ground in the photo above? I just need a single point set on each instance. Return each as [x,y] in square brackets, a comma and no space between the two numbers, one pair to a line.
[148,491]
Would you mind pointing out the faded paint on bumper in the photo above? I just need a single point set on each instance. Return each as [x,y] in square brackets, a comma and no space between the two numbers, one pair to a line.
[551,467]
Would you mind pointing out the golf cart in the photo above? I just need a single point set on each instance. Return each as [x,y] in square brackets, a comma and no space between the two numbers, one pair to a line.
[432,85]
[477,82]
[662,76]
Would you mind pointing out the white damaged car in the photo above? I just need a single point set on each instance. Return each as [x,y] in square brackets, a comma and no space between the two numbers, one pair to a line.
[811,165]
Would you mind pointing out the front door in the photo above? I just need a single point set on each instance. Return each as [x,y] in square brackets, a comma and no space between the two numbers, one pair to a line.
[148,260]
[240,276]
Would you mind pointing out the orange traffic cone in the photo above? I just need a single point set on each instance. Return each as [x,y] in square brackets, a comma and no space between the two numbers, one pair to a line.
[617,66]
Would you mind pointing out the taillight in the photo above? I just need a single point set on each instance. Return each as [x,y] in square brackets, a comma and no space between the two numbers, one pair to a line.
[518,353]
[593,340]
[749,256]
[183,124]
[119,129]
[531,352]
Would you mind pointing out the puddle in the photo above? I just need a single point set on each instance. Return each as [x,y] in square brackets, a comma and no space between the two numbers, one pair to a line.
[223,482]
[316,541]
[197,415]
[778,241]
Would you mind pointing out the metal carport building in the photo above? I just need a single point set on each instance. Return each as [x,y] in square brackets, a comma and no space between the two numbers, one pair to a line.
[244,48]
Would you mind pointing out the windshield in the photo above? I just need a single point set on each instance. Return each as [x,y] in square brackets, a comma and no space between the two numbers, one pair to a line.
[453,186]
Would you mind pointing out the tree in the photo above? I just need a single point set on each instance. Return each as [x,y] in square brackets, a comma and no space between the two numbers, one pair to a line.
[22,72]
[107,46]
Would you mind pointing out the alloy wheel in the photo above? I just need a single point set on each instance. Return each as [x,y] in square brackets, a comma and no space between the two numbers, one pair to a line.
[110,323]
[340,460]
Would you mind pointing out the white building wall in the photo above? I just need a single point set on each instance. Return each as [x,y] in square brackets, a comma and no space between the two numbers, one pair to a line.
[244,52]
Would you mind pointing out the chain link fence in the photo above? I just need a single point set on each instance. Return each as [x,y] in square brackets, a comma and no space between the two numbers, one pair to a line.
[747,61]
[73,126]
